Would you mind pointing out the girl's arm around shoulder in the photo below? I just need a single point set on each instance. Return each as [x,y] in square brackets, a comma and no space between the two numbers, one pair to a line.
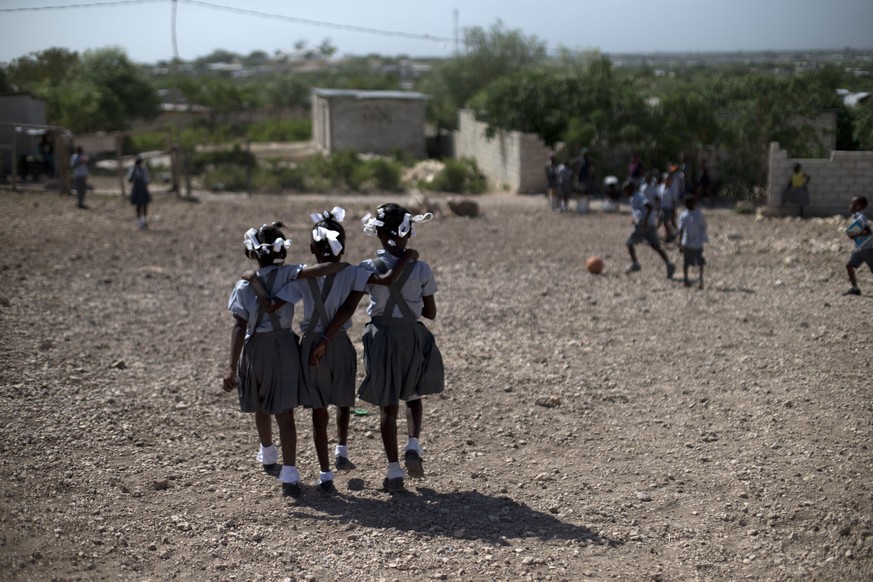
[321,269]
[270,304]
[388,278]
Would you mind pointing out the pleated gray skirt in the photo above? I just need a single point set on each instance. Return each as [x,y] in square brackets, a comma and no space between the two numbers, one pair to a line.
[402,362]
[333,381]
[269,372]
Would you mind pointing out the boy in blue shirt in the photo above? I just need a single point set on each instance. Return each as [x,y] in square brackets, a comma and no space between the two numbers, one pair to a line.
[859,232]
[645,229]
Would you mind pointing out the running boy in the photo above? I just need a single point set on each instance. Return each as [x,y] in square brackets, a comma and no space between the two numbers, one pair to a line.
[692,235]
[644,229]
[859,232]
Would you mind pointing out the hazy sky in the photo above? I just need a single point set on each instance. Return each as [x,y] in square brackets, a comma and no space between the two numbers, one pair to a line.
[143,29]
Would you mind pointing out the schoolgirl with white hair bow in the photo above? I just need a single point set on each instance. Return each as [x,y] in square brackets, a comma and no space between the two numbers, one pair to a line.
[333,383]
[265,365]
[402,359]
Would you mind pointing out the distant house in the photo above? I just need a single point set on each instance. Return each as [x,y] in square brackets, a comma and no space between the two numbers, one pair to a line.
[377,122]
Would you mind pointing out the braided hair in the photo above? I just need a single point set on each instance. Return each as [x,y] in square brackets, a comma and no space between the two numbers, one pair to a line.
[267,244]
[321,235]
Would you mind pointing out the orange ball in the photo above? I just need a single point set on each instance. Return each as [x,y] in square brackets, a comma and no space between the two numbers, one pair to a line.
[594,265]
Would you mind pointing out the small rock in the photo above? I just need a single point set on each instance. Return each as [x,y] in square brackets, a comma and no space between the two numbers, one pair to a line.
[548,401]
[119,365]
[643,496]
[161,485]
[356,485]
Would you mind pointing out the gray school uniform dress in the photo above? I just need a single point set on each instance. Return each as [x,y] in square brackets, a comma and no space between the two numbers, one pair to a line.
[269,366]
[402,359]
[333,380]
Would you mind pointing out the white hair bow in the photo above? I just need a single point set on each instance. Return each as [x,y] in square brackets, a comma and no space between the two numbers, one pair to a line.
[319,233]
[338,214]
[371,223]
[252,244]
[406,227]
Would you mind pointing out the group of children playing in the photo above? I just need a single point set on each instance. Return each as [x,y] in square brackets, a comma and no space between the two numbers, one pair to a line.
[654,202]
[275,371]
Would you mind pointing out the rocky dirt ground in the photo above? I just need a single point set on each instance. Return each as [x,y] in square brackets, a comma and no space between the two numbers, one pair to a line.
[593,427]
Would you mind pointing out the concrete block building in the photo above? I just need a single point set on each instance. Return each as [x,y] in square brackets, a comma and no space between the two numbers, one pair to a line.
[377,122]
[835,179]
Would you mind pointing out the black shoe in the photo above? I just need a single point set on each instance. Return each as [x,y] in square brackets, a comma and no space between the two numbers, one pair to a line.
[291,489]
[853,291]
[82,206]
[394,485]
[413,462]
[273,469]
[344,464]
[326,487]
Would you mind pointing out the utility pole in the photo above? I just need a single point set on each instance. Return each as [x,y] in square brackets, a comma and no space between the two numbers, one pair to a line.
[457,41]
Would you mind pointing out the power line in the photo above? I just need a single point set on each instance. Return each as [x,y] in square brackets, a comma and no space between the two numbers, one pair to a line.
[255,13]
[87,5]
[319,23]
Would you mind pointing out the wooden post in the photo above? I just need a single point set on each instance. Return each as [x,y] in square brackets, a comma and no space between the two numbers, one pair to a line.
[119,144]
[15,158]
[176,165]
[62,163]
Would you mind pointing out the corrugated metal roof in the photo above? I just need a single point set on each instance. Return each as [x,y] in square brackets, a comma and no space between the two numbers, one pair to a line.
[355,94]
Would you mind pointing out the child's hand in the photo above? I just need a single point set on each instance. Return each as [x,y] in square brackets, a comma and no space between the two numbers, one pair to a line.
[229,380]
[249,275]
[317,353]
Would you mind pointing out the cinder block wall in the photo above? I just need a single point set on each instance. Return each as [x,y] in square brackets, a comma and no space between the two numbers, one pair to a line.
[833,181]
[510,159]
[376,126]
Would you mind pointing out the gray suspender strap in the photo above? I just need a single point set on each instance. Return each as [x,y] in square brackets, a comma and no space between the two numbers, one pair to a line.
[268,286]
[396,298]
[318,298]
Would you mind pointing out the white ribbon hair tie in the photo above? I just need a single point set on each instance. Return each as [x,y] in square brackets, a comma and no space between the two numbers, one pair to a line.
[371,223]
[319,233]
[406,226]
[338,214]
[252,244]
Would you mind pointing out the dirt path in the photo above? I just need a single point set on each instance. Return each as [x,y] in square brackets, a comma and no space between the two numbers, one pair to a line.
[594,427]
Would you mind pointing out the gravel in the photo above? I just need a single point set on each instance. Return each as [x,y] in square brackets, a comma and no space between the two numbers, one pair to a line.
[593,426]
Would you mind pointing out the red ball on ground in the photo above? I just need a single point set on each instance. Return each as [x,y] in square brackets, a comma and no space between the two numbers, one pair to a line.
[594,265]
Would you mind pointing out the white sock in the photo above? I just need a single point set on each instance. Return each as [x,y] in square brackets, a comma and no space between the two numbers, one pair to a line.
[412,444]
[394,471]
[289,474]
[325,476]
[342,451]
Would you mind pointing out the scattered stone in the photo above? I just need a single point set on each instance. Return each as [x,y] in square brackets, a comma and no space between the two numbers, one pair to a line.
[161,485]
[643,496]
[119,365]
[548,401]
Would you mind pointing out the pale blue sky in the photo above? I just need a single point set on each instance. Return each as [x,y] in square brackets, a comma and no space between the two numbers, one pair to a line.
[613,26]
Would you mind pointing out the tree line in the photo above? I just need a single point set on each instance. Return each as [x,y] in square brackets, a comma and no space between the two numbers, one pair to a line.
[510,81]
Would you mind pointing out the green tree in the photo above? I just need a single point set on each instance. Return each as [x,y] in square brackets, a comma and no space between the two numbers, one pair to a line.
[488,56]
[101,90]
[37,71]
[862,124]
[119,88]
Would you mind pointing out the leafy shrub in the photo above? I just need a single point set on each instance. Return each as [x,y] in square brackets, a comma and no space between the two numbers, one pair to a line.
[199,161]
[293,129]
[386,175]
[226,178]
[460,176]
